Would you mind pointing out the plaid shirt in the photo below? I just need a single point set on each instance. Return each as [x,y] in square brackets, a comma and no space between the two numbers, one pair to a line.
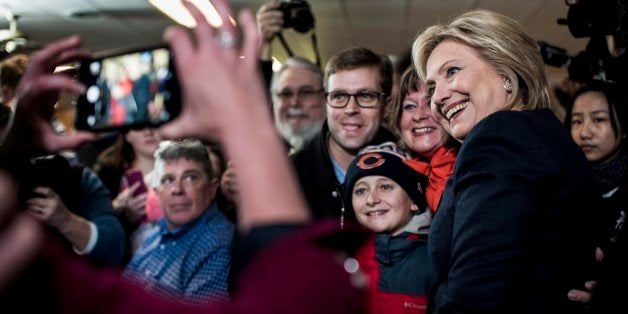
[189,264]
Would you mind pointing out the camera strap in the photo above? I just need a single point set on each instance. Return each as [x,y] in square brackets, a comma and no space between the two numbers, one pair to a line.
[313,40]
[285,45]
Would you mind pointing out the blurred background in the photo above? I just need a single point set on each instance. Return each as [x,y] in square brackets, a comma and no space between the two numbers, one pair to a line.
[565,28]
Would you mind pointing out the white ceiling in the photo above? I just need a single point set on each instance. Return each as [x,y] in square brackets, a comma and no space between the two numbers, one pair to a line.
[386,26]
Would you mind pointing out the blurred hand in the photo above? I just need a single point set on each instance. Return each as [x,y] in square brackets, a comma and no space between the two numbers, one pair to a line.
[48,207]
[37,93]
[580,295]
[221,85]
[20,235]
[31,131]
[134,207]
[269,21]
[586,296]
[229,184]
[217,79]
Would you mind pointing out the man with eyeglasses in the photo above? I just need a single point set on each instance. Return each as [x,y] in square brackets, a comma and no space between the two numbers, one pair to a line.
[187,258]
[298,101]
[358,85]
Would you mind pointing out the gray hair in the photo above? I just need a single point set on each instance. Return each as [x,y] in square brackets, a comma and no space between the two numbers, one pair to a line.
[296,62]
[169,151]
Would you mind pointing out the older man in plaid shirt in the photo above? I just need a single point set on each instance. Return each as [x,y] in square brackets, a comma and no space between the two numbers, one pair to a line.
[187,257]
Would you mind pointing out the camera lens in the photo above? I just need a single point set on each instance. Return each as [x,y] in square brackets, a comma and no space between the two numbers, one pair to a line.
[297,15]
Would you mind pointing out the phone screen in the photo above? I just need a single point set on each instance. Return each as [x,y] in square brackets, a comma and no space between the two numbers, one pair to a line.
[128,90]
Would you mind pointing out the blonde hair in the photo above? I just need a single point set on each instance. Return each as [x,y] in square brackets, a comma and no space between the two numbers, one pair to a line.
[501,42]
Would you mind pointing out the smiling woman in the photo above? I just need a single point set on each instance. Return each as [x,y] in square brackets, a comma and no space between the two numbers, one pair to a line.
[520,184]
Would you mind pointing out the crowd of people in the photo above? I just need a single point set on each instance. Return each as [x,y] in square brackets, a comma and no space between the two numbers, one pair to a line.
[456,191]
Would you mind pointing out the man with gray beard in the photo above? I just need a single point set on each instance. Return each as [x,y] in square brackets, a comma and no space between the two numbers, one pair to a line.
[298,102]
[298,107]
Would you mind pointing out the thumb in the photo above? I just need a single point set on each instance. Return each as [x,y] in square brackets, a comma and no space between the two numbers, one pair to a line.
[173,130]
[133,187]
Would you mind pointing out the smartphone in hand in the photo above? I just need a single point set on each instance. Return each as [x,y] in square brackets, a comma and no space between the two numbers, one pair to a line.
[128,90]
[135,176]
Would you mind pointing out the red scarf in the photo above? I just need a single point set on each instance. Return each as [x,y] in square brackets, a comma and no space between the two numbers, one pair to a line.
[438,170]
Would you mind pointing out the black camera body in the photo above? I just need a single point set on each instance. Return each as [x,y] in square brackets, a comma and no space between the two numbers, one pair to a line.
[596,20]
[297,15]
[587,18]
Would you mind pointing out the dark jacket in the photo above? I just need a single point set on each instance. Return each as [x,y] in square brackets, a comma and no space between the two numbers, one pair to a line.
[399,272]
[510,235]
[315,172]
[610,294]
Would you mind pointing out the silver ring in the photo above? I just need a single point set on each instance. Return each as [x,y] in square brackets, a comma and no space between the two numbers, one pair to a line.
[225,39]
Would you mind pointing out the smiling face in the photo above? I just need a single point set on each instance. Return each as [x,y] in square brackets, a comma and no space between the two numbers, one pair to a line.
[352,127]
[464,88]
[185,192]
[298,102]
[382,205]
[591,126]
[420,129]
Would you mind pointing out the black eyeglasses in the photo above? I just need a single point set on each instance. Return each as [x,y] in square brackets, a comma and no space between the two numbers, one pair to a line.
[363,99]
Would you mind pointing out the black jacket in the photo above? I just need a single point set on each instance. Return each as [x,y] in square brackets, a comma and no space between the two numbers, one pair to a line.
[315,172]
[511,232]
[610,294]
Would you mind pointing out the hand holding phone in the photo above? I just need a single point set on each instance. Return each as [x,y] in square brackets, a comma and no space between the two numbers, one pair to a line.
[135,177]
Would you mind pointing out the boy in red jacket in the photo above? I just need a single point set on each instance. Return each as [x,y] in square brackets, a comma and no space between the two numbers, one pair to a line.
[387,197]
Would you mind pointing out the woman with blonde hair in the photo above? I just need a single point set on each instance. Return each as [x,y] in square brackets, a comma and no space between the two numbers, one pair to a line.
[509,235]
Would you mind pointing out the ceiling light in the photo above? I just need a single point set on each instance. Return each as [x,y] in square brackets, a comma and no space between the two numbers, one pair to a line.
[10,46]
[6,12]
[276,64]
[177,11]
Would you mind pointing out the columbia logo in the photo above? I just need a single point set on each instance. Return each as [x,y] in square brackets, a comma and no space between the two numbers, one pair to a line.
[412,305]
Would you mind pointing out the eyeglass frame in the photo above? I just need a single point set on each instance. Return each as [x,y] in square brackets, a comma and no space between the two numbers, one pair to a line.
[380,95]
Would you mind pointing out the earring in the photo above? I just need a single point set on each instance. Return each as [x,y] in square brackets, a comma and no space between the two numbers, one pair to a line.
[507,85]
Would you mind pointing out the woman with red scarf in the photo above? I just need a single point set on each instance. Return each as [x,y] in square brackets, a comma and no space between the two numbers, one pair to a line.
[423,136]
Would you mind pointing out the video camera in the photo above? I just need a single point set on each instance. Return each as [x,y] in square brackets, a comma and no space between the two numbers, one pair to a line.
[595,19]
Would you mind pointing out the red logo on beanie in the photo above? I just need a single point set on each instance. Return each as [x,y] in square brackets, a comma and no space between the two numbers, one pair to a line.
[370,161]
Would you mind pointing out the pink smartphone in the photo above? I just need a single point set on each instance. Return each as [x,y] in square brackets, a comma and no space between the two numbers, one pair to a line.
[134,176]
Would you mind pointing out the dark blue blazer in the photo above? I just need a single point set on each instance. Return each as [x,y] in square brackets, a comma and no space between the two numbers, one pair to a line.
[512,233]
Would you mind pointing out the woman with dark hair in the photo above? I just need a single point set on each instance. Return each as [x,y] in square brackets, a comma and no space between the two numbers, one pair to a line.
[597,121]
[125,169]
